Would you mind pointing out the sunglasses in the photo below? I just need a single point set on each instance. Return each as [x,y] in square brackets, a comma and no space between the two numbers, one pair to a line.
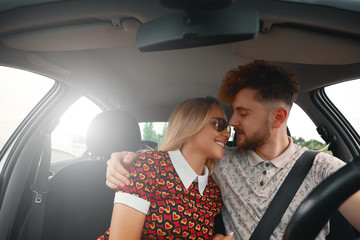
[220,124]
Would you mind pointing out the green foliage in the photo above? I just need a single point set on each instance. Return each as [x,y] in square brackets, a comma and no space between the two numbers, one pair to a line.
[150,134]
[311,144]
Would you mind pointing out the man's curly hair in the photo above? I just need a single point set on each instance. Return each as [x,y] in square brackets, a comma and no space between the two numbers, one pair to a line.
[271,83]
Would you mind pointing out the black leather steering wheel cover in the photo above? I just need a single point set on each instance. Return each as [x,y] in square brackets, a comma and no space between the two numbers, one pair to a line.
[313,213]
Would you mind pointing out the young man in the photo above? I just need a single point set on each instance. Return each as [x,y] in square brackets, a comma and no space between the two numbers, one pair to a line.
[249,175]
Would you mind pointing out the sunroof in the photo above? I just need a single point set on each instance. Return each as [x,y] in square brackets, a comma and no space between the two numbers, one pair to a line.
[351,5]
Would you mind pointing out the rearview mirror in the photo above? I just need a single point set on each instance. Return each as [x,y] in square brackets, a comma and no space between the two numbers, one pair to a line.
[181,30]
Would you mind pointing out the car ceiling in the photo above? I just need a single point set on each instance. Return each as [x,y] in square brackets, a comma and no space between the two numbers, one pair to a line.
[92,43]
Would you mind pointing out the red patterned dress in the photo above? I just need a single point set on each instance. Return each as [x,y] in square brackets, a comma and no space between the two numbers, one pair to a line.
[173,211]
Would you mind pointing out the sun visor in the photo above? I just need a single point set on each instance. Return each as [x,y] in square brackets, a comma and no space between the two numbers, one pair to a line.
[106,34]
[183,30]
[286,44]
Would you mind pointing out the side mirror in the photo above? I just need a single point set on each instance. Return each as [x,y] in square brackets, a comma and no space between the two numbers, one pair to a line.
[207,27]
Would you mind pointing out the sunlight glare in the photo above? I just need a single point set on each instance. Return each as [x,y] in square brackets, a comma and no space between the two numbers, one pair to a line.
[77,119]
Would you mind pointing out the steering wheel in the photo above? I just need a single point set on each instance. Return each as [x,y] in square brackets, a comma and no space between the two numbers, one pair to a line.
[317,208]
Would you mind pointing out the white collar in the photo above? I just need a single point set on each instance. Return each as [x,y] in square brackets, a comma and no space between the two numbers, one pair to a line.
[186,173]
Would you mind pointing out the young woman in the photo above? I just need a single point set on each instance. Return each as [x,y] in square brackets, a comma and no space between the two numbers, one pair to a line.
[171,195]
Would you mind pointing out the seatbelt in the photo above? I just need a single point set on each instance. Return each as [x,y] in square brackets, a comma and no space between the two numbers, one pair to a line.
[283,197]
[40,187]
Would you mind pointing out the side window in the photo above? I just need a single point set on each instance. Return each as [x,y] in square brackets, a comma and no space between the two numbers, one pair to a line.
[68,139]
[20,91]
[304,136]
[345,96]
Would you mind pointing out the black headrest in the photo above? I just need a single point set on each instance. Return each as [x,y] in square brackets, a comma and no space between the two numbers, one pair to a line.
[113,131]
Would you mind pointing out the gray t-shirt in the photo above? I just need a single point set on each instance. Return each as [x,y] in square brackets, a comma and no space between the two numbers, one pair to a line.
[248,184]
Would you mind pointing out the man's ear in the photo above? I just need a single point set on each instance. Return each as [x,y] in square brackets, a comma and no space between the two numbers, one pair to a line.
[280,115]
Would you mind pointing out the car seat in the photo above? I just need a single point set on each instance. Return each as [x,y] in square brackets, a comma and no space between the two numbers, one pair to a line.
[79,204]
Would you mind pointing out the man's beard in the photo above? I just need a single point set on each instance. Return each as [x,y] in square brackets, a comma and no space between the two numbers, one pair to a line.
[255,140]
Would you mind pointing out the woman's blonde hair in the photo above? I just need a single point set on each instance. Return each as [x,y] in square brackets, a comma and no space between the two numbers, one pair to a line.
[186,120]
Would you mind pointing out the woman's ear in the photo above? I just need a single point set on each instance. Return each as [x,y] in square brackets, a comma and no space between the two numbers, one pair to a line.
[280,115]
